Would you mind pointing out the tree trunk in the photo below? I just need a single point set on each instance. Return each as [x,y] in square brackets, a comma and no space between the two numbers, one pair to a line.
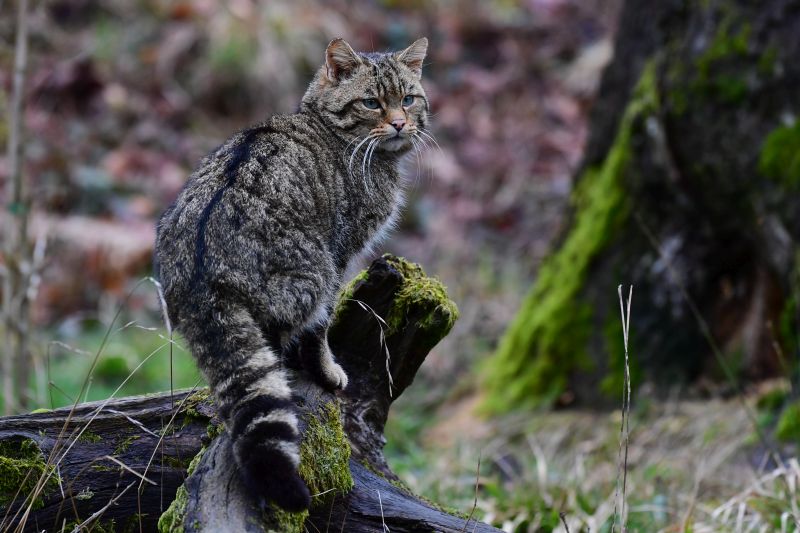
[688,191]
[143,453]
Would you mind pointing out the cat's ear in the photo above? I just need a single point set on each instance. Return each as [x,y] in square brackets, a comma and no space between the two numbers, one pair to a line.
[414,55]
[340,60]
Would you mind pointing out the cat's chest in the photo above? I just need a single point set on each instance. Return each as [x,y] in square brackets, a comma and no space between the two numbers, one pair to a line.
[365,217]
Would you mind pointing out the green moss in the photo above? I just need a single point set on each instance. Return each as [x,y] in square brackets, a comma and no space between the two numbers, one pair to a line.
[88,436]
[419,292]
[727,45]
[124,444]
[177,462]
[547,340]
[213,430]
[780,155]
[171,520]
[325,453]
[346,293]
[279,521]
[721,70]
[21,466]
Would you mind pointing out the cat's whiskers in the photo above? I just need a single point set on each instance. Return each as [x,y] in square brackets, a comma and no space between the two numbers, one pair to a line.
[426,144]
[415,144]
[365,164]
[370,136]
[427,135]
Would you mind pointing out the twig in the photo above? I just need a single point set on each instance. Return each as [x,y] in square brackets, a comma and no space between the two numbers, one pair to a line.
[383,520]
[563,516]
[381,324]
[475,503]
[100,512]
[624,429]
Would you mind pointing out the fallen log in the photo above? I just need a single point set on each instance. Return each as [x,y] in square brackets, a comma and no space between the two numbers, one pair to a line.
[163,462]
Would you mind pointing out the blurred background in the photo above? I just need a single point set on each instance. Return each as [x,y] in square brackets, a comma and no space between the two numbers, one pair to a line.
[123,98]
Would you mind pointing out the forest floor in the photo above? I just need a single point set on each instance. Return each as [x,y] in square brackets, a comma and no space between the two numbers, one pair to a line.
[700,465]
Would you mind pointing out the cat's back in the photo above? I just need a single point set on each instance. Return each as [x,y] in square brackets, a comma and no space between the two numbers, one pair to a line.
[277,174]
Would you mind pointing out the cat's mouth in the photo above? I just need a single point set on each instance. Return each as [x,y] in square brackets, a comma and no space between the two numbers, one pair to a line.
[395,143]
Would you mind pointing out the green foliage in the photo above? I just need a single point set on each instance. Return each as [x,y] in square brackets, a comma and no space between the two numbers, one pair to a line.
[113,369]
[780,155]
[548,337]
[788,428]
[131,345]
[21,466]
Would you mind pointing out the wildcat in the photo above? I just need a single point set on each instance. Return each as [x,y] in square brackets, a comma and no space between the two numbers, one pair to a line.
[253,250]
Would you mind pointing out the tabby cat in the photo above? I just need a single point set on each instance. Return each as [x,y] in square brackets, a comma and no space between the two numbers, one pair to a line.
[252,253]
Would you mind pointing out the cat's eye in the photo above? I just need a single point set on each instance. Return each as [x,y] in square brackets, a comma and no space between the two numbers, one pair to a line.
[371,103]
[408,100]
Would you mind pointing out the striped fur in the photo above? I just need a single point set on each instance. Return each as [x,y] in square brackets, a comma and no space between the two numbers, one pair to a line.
[252,253]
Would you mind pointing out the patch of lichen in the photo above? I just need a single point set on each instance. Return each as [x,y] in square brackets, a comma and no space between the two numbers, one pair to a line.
[21,466]
[418,292]
[547,340]
[780,155]
[171,520]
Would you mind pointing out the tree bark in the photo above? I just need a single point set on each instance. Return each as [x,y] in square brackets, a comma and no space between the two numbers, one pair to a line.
[689,191]
[144,452]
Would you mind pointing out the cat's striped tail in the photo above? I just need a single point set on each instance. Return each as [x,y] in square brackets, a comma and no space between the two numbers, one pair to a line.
[255,402]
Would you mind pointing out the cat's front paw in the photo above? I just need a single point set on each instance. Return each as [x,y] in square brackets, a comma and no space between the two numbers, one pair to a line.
[332,375]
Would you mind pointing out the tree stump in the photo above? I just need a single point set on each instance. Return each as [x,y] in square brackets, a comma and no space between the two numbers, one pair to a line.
[163,462]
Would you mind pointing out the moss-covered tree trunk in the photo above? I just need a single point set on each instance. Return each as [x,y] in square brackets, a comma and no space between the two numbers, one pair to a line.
[690,191]
[164,463]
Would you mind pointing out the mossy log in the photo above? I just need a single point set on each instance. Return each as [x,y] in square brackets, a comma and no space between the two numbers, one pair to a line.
[166,463]
[689,190]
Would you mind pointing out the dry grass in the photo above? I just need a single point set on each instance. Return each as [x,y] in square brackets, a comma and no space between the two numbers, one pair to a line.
[689,469]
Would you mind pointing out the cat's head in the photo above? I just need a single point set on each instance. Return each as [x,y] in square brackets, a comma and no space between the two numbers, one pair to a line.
[371,96]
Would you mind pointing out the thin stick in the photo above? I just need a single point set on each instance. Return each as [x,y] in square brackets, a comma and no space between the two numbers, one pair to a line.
[100,512]
[383,521]
[475,503]
[563,516]
[624,428]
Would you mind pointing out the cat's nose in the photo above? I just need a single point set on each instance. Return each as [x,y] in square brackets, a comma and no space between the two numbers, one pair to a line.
[398,123]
